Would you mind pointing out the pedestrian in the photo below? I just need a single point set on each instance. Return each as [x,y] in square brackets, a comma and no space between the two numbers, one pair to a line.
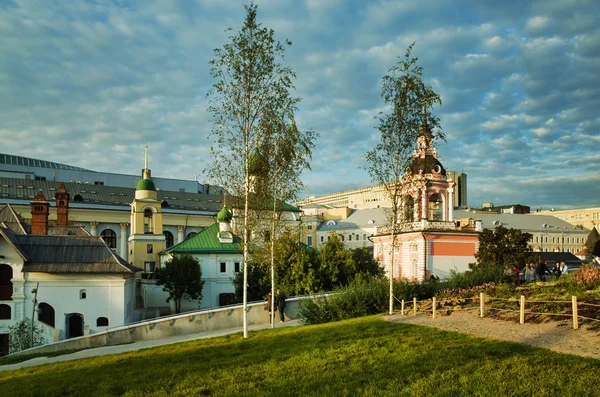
[280,304]
[563,268]
[269,306]
[527,272]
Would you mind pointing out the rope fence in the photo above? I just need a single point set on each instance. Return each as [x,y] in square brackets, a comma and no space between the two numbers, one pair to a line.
[482,299]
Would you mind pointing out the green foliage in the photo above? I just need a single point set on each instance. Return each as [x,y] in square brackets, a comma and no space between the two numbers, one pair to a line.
[300,269]
[20,336]
[181,277]
[504,248]
[363,296]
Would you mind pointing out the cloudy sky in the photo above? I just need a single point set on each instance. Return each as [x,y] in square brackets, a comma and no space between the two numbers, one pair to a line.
[87,83]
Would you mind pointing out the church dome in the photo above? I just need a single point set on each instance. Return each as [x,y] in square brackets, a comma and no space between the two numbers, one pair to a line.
[427,165]
[257,164]
[145,184]
[224,215]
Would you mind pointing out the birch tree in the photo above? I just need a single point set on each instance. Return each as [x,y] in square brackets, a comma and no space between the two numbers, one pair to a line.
[249,75]
[405,96]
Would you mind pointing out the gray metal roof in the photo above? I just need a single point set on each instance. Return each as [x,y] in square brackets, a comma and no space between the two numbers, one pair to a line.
[375,217]
[23,189]
[29,162]
[12,220]
[525,222]
[70,254]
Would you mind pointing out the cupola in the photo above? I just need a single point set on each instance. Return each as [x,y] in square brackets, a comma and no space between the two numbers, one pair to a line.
[145,188]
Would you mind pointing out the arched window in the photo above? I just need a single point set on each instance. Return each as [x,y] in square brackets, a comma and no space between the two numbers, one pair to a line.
[168,238]
[5,312]
[148,226]
[436,209]
[46,314]
[82,294]
[190,235]
[110,238]
[6,286]
[78,198]
[164,204]
[101,322]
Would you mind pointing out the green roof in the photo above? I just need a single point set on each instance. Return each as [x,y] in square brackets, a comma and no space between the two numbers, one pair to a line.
[29,162]
[206,242]
[145,184]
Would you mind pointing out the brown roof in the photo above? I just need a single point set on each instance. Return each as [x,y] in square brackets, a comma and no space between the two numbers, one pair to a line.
[70,254]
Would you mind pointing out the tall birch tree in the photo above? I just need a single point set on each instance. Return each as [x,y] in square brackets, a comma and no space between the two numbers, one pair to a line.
[405,96]
[249,75]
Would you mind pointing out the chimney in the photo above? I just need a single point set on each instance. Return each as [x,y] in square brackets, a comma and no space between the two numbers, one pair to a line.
[62,205]
[40,208]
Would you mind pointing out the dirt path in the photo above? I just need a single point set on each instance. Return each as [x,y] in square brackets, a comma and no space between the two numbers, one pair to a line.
[557,336]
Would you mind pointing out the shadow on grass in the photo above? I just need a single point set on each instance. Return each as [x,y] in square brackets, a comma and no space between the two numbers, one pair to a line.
[359,356]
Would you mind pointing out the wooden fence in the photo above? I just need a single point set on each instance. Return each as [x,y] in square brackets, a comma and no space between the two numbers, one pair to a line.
[486,304]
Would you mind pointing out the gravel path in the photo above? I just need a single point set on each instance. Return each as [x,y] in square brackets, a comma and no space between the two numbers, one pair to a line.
[558,336]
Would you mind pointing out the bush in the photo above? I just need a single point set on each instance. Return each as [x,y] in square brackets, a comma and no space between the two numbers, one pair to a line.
[588,277]
[363,296]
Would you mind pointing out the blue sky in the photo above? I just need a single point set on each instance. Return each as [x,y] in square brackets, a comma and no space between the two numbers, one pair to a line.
[87,83]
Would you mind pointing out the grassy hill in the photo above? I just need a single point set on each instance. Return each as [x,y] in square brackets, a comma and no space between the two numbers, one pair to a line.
[365,356]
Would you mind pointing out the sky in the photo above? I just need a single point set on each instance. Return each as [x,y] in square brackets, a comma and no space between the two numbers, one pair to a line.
[88,83]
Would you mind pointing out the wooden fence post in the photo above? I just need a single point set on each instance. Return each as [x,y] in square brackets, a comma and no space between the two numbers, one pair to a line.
[434,307]
[414,306]
[481,304]
[575,319]
[522,311]
[402,308]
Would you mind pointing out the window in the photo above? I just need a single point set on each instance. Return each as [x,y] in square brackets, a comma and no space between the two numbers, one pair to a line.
[5,312]
[322,238]
[6,285]
[414,268]
[190,235]
[414,248]
[309,241]
[364,236]
[149,248]
[349,237]
[40,178]
[99,183]
[342,236]
[309,227]
[223,267]
[149,267]
[110,238]
[236,267]
[82,294]
[148,229]
[46,314]
[102,322]
[328,238]
[168,238]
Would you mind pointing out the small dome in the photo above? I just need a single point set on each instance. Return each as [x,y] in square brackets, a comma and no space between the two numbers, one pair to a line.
[224,215]
[257,164]
[145,184]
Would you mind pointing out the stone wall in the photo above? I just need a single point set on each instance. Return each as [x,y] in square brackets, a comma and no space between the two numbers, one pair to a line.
[214,319]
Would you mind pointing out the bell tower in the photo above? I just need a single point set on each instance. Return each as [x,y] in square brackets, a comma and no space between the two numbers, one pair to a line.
[146,238]
[62,205]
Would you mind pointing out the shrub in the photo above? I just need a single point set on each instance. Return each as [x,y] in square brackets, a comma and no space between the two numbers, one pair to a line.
[587,277]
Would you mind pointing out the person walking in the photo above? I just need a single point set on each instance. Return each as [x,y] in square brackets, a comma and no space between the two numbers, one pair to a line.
[280,304]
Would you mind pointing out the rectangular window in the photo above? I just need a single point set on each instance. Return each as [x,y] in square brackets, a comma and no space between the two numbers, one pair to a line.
[309,227]
[309,241]
[99,183]
[328,238]
[414,248]
[149,248]
[237,267]
[342,238]
[364,236]
[349,237]
[223,267]
[322,239]
[149,267]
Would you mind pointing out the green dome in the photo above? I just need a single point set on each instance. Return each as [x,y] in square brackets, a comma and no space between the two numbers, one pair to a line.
[145,184]
[257,164]
[224,215]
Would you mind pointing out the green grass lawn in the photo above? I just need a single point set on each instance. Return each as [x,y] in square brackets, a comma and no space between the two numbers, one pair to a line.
[365,356]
